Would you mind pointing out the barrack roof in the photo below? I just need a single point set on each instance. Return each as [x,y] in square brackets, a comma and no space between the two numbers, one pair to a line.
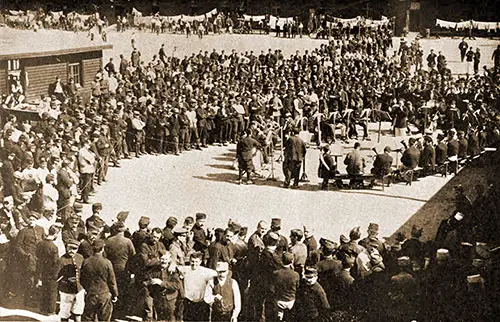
[19,44]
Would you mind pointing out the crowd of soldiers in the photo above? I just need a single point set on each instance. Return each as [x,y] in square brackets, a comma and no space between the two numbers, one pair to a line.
[172,105]
[186,272]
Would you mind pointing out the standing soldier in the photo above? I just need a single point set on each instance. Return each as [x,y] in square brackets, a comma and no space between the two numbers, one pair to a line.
[244,152]
[104,150]
[431,60]
[71,292]
[200,236]
[25,246]
[174,129]
[295,151]
[201,116]
[98,280]
[86,161]
[64,183]
[116,129]
[312,303]
[403,290]
[165,287]
[119,250]
[477,59]
[47,255]
[463,49]
[284,287]
[150,252]
[469,58]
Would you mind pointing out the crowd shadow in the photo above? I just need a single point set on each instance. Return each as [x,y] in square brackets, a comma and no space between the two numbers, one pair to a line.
[220,166]
[367,192]
[264,181]
[224,158]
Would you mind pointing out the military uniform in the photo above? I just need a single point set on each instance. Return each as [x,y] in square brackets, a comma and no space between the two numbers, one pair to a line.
[98,280]
[71,292]
[166,294]
[47,255]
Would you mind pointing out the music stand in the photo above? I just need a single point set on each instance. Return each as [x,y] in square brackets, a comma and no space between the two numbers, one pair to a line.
[319,116]
[304,177]
[454,111]
[348,114]
[381,114]
[271,176]
[426,109]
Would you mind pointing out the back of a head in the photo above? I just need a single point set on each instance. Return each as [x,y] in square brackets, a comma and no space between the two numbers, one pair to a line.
[357,145]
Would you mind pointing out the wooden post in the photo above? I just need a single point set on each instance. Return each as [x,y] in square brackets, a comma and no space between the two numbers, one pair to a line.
[379,129]
[319,129]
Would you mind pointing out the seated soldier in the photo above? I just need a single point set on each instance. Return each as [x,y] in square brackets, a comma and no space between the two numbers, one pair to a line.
[327,166]
[355,163]
[411,156]
[410,159]
[382,164]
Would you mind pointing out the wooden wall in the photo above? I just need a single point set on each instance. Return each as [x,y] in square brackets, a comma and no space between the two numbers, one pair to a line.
[42,71]
[3,78]
[41,76]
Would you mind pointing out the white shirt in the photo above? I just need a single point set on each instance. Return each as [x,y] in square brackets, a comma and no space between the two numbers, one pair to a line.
[195,281]
[50,196]
[192,117]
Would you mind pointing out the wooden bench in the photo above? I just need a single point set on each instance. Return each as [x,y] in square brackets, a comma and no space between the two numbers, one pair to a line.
[411,174]
[344,180]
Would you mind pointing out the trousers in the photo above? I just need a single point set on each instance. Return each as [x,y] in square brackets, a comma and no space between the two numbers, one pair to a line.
[98,306]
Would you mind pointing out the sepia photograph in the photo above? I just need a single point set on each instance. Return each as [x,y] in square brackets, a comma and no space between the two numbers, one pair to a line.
[250,160]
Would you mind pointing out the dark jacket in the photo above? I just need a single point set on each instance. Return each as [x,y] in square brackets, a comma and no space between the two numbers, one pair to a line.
[453,147]
[411,157]
[382,164]
[47,264]
[327,166]
[295,149]
[441,153]
[245,147]
[311,303]
[199,238]
[428,157]
[70,267]
[355,162]
[463,147]
[119,250]
[26,245]
[268,263]
[98,276]
[169,288]
[285,284]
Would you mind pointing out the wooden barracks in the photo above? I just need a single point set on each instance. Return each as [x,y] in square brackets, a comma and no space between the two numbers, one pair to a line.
[37,58]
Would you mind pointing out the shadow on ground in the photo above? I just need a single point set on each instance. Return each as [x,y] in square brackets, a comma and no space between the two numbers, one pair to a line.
[442,204]
[258,181]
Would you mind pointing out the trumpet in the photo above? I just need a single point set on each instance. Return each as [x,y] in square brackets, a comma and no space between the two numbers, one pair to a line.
[404,144]
[374,149]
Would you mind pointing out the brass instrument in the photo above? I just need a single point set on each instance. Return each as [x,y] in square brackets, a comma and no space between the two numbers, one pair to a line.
[404,144]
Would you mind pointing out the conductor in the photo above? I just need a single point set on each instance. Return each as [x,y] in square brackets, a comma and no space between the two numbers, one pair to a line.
[295,151]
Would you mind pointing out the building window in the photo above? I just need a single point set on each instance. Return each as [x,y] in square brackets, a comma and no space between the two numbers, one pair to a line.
[13,65]
[13,68]
[14,74]
[74,72]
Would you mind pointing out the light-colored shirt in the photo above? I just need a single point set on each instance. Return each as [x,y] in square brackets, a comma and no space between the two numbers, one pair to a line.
[210,297]
[195,282]
[299,251]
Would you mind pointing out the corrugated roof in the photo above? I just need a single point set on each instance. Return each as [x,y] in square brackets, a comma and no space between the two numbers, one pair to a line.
[18,44]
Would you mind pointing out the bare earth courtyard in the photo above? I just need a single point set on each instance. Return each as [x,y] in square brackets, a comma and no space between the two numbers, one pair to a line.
[163,186]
